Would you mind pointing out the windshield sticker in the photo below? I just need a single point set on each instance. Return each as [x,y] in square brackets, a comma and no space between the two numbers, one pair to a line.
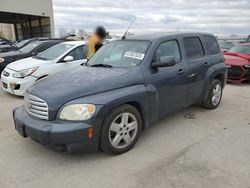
[135,55]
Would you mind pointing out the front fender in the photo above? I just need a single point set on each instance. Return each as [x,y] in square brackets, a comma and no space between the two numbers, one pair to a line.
[135,95]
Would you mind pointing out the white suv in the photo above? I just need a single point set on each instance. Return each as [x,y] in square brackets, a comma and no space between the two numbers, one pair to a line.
[21,74]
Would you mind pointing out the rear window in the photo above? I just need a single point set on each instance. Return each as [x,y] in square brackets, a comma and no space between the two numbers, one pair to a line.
[193,48]
[212,45]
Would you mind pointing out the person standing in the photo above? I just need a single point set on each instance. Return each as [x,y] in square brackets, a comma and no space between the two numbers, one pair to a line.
[95,41]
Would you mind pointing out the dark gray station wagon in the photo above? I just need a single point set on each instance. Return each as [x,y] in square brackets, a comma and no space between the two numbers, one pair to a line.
[127,86]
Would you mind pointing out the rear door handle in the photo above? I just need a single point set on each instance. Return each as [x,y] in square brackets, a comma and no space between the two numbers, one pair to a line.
[206,63]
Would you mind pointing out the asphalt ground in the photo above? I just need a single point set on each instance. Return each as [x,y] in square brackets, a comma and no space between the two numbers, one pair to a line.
[192,148]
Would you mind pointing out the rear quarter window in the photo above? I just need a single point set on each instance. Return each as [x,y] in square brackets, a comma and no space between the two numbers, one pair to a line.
[212,45]
[193,48]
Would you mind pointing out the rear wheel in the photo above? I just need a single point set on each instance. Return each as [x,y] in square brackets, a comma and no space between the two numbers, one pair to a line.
[121,129]
[214,96]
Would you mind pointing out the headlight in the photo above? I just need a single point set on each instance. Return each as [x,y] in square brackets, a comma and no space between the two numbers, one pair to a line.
[77,112]
[247,66]
[1,60]
[24,73]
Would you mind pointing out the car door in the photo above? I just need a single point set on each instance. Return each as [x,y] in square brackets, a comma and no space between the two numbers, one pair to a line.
[169,81]
[196,61]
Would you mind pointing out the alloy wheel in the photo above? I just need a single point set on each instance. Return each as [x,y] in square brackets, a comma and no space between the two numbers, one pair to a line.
[123,130]
[216,94]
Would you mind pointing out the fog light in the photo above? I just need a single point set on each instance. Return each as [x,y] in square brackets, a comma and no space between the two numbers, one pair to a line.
[90,132]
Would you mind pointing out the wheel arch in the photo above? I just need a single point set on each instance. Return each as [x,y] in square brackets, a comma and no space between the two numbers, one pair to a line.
[220,77]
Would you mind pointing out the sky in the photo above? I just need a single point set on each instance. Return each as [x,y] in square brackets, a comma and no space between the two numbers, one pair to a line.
[221,17]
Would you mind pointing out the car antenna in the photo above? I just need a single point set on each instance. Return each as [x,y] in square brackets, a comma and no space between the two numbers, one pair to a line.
[124,36]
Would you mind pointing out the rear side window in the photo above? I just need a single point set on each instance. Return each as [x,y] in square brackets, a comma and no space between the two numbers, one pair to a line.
[212,45]
[193,47]
[168,48]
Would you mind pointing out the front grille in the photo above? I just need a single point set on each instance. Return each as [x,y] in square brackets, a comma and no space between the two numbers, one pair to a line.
[36,106]
[5,73]
[236,71]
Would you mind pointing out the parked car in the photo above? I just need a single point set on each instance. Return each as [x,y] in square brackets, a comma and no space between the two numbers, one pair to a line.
[29,50]
[5,44]
[225,46]
[11,46]
[21,74]
[127,86]
[237,60]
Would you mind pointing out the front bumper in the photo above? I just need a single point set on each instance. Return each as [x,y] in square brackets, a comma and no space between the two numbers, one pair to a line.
[16,86]
[62,135]
[238,74]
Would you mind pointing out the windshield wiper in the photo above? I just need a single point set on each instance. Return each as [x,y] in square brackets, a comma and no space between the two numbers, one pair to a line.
[102,65]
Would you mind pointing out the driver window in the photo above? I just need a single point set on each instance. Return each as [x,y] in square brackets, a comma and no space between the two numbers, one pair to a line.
[78,53]
[169,48]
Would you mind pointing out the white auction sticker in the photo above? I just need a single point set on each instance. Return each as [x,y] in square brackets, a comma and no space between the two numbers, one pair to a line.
[135,55]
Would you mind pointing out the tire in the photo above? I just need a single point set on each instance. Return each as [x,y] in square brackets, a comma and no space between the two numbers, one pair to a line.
[214,96]
[121,130]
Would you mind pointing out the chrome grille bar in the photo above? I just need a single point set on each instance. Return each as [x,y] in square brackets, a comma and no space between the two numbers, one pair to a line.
[36,106]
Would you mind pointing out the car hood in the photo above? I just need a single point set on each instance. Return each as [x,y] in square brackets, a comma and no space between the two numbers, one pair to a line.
[26,64]
[235,60]
[82,81]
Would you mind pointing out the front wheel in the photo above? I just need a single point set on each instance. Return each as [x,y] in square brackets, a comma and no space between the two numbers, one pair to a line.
[121,129]
[214,96]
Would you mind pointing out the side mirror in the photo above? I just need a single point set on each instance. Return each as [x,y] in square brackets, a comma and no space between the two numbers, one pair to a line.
[84,61]
[165,61]
[68,58]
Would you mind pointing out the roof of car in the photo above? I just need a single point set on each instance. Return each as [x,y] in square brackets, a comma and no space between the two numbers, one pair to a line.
[75,42]
[155,36]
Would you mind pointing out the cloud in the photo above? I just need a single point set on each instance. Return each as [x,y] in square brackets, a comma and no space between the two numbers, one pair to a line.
[220,17]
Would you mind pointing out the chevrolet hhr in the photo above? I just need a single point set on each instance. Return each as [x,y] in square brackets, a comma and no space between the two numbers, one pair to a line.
[126,87]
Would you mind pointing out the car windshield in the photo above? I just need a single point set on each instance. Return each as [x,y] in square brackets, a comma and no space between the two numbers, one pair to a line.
[243,49]
[54,52]
[226,45]
[23,42]
[121,53]
[31,46]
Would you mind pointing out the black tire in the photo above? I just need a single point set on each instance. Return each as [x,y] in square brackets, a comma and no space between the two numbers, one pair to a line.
[209,103]
[105,142]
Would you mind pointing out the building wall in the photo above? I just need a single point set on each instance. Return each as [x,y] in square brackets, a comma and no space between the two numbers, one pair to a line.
[7,30]
[32,7]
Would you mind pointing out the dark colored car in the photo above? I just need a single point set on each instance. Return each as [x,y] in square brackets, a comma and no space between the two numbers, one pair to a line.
[6,45]
[29,50]
[127,86]
[10,46]
[225,46]
[237,60]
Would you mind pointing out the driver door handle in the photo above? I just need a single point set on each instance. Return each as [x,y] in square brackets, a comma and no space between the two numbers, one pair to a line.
[180,71]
